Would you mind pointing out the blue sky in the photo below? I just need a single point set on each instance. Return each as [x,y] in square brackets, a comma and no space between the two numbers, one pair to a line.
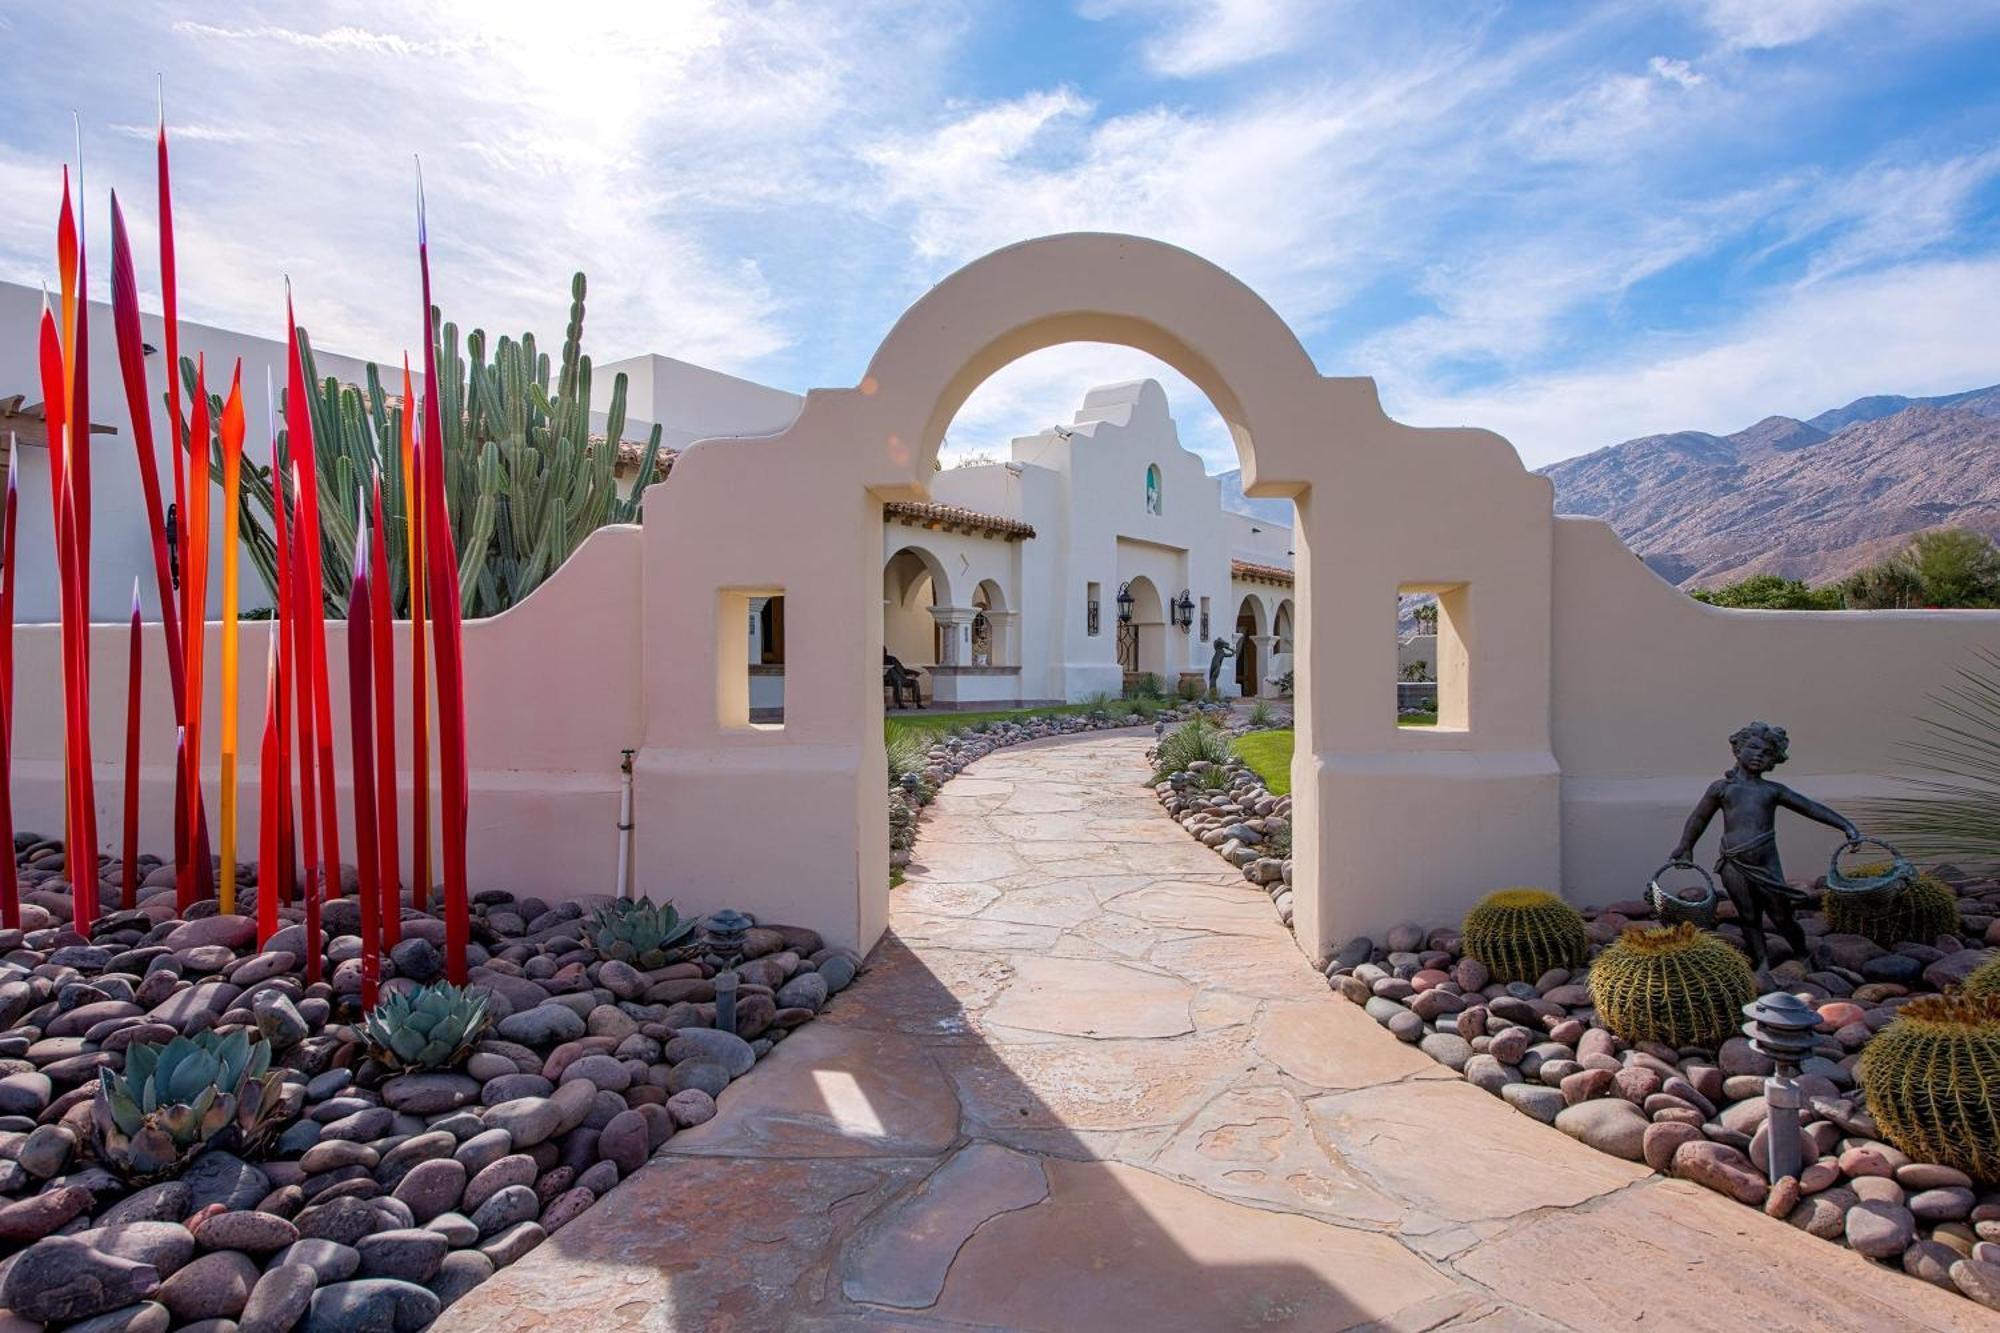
[1571,223]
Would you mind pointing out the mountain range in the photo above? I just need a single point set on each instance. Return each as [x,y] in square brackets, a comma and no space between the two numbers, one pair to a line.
[1811,499]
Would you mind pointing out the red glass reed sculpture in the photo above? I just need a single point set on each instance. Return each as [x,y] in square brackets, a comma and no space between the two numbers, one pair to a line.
[420,690]
[10,885]
[388,874]
[361,732]
[443,580]
[283,631]
[308,579]
[128,888]
[271,776]
[302,659]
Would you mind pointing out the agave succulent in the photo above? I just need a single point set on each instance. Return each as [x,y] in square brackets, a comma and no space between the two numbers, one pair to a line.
[640,932]
[172,1102]
[432,1027]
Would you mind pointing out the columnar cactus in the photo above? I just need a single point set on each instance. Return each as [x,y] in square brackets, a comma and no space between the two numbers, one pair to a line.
[1932,1079]
[1522,933]
[1919,914]
[525,481]
[1673,985]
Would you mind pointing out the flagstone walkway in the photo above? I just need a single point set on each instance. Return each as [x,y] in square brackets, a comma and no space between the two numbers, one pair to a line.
[1090,1083]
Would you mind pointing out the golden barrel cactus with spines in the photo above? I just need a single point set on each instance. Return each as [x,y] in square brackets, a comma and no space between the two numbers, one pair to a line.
[1522,933]
[1919,914]
[1932,1080]
[1985,979]
[1673,985]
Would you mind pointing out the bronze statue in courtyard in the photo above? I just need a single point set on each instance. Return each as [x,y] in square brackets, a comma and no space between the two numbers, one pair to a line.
[1223,652]
[1748,862]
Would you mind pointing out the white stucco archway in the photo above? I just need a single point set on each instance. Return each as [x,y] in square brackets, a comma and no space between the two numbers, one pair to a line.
[1370,509]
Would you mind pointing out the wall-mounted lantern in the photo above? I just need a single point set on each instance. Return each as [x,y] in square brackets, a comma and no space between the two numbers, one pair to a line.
[1184,611]
[1125,600]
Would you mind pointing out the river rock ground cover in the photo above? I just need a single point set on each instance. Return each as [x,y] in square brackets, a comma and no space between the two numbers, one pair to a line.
[387,1196]
[1694,1113]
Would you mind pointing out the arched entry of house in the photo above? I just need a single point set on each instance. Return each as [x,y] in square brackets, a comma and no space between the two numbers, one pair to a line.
[913,583]
[1380,506]
[1142,630]
[1249,639]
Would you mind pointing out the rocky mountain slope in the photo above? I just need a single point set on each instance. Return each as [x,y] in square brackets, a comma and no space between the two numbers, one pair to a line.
[1814,499]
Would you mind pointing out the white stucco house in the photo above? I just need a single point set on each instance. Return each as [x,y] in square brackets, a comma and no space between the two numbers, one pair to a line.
[1097,553]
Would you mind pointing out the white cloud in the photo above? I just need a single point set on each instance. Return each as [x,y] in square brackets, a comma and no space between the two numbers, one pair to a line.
[1197,37]
[1918,329]
[1892,210]
[1756,25]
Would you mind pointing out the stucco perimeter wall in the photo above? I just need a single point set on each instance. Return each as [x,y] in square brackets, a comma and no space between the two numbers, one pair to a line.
[551,693]
[1648,685]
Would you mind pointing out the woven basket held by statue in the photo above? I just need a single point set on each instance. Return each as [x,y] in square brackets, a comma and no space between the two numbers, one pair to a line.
[1870,886]
[1693,903]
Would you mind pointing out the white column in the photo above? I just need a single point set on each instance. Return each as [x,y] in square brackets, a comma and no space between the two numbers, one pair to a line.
[1006,641]
[955,646]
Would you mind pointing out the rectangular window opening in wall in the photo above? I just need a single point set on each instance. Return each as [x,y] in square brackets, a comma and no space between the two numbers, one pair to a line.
[1091,601]
[1204,620]
[1433,655]
[750,658]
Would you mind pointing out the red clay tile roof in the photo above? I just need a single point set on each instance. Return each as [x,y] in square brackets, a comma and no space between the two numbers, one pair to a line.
[1251,572]
[919,513]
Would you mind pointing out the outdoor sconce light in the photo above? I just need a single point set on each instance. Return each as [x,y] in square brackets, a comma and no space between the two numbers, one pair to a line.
[1781,1027]
[1184,611]
[1125,600]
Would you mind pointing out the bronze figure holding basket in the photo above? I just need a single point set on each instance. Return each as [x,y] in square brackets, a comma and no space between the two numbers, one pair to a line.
[1748,865]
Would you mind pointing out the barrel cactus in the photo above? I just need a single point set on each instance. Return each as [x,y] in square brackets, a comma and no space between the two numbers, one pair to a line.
[640,932]
[1522,933]
[1673,985]
[1932,1079]
[172,1102]
[1919,914]
[432,1027]
[1985,979]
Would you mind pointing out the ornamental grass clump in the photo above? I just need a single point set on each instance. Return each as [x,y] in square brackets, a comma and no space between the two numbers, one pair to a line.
[640,932]
[1918,915]
[1520,934]
[433,1027]
[175,1101]
[1194,741]
[1932,1080]
[1673,985]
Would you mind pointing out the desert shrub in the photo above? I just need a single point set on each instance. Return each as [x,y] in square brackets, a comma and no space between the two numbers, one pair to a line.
[1193,740]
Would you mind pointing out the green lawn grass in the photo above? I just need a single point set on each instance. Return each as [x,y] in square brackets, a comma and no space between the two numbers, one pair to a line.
[937,724]
[1269,753]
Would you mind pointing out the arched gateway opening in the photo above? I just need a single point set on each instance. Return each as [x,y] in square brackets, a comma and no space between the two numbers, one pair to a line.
[1379,506]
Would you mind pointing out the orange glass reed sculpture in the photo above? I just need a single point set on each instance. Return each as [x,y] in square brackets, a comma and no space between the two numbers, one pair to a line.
[194,626]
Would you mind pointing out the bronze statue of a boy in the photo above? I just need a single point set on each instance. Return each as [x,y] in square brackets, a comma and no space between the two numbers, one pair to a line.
[1748,863]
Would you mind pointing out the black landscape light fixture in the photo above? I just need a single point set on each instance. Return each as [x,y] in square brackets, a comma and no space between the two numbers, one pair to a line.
[1125,600]
[1184,611]
[1781,1028]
